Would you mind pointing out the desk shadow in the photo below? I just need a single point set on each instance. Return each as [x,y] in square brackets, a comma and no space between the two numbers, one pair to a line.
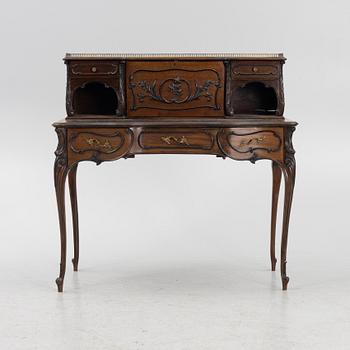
[203,278]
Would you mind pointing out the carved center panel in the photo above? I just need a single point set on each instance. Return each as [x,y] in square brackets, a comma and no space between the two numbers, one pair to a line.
[173,88]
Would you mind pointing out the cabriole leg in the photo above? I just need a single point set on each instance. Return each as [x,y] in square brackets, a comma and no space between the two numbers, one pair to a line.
[289,168]
[60,175]
[74,204]
[276,182]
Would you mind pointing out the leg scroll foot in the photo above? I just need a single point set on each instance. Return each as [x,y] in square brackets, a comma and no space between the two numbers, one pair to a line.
[273,264]
[285,280]
[75,265]
[59,282]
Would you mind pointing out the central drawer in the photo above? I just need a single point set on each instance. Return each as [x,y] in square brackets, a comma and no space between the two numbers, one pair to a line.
[175,88]
[176,140]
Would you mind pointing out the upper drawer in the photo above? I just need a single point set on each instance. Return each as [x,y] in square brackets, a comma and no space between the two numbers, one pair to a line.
[174,88]
[93,68]
[256,71]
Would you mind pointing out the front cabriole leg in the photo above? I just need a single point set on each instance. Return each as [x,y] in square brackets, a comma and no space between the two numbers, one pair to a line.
[276,182]
[289,170]
[264,143]
[72,181]
[60,175]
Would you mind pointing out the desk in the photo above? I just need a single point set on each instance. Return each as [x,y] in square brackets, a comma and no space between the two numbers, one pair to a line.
[227,105]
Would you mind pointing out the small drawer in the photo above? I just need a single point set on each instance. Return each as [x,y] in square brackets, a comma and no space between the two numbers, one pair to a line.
[98,144]
[255,71]
[176,141]
[94,68]
[252,143]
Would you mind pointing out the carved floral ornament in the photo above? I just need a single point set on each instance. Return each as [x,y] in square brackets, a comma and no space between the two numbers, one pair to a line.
[174,91]
[174,87]
[60,153]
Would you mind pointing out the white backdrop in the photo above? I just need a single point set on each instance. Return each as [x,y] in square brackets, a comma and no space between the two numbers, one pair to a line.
[174,249]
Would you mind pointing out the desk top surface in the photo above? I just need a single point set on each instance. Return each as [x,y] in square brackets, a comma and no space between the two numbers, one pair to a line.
[174,122]
[171,56]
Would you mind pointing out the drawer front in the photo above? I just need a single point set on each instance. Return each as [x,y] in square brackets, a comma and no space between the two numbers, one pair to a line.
[175,88]
[93,68]
[255,71]
[176,141]
[252,143]
[98,144]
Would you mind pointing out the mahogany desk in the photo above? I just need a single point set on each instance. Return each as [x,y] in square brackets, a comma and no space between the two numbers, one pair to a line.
[122,105]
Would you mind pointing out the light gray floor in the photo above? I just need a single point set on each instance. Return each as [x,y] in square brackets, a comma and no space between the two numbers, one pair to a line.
[188,269]
[168,305]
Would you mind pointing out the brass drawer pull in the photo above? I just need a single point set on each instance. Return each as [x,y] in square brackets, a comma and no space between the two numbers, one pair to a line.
[182,140]
[97,144]
[93,69]
[252,141]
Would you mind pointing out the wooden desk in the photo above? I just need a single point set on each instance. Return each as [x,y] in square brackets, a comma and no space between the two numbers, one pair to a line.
[227,105]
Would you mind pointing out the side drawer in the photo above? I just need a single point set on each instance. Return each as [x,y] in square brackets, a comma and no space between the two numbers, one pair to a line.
[98,144]
[252,143]
[174,88]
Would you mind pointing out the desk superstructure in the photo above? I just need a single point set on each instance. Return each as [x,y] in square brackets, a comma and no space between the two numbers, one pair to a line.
[122,105]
